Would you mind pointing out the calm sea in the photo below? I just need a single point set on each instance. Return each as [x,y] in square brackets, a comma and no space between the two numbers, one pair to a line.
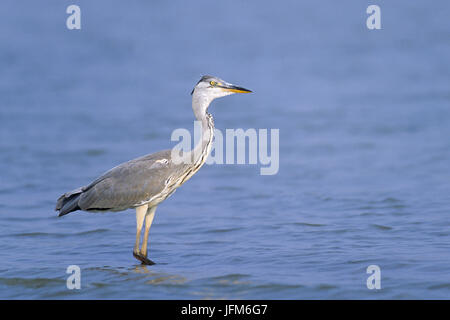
[364,120]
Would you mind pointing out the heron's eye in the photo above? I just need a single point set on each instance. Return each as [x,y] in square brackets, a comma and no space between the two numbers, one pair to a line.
[213,83]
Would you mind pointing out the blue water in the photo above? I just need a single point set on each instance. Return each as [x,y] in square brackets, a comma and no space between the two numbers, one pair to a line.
[364,119]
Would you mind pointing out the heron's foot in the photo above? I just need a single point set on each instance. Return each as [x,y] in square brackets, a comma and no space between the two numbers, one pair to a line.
[143,259]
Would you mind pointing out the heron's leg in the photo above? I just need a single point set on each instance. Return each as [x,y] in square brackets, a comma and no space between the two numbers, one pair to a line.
[140,216]
[148,223]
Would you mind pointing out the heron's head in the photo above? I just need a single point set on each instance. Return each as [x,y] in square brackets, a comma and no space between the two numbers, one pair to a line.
[210,87]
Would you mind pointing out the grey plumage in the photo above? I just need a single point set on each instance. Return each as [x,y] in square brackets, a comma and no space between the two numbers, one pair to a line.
[126,186]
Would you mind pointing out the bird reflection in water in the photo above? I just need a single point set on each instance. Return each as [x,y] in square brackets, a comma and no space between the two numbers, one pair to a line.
[158,277]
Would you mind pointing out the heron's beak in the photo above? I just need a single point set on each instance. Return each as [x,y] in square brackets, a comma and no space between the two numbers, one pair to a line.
[234,89]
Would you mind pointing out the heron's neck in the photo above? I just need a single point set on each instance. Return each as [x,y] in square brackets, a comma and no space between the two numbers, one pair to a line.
[197,156]
[200,106]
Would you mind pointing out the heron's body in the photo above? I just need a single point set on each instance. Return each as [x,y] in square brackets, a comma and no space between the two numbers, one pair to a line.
[145,182]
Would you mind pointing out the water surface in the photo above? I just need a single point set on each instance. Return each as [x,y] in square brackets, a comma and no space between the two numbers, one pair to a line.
[364,123]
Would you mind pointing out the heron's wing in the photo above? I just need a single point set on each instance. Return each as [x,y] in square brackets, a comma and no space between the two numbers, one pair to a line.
[128,184]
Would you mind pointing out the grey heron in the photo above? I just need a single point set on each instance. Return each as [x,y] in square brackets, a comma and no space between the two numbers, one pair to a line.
[145,182]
